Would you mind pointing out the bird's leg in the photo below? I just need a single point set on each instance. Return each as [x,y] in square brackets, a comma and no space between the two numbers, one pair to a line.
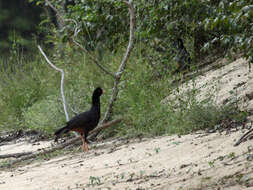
[85,137]
[85,147]
[55,139]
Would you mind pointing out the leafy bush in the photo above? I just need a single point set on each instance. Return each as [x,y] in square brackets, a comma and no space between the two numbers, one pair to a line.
[231,23]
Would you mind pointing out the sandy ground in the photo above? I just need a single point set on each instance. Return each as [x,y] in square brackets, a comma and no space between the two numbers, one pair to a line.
[196,161]
[23,146]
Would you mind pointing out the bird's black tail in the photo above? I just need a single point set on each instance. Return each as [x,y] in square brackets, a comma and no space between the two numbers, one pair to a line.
[58,133]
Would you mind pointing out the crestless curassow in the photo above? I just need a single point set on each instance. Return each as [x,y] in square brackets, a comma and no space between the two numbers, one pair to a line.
[84,122]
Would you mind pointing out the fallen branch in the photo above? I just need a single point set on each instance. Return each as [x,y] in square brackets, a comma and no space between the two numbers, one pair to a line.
[105,125]
[11,137]
[60,146]
[244,137]
[15,155]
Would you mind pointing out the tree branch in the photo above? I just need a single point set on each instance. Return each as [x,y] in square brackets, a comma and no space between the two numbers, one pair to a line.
[90,56]
[62,82]
[105,125]
[244,137]
[123,62]
[131,37]
[56,11]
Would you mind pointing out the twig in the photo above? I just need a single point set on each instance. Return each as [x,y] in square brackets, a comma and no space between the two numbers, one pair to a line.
[90,56]
[244,137]
[74,111]
[62,82]
[46,151]
[56,11]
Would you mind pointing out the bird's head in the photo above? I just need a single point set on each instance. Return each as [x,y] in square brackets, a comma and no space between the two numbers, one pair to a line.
[98,92]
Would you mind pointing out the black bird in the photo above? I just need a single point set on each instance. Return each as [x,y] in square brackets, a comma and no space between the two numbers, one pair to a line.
[84,122]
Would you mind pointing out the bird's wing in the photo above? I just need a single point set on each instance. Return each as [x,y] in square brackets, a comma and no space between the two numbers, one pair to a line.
[80,120]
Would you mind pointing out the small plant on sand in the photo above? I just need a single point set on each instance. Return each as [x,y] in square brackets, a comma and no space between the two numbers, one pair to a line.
[157,150]
[211,163]
[231,155]
[95,181]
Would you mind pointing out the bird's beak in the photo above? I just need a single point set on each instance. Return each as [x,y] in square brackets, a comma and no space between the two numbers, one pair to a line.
[103,91]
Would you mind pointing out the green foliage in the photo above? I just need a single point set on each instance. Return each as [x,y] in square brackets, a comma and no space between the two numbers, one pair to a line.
[231,23]
[201,115]
[20,87]
[217,26]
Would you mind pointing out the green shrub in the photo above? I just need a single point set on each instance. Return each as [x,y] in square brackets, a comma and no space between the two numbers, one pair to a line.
[45,115]
[21,85]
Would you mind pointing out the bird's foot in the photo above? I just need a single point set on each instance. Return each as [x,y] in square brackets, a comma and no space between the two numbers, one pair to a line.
[85,148]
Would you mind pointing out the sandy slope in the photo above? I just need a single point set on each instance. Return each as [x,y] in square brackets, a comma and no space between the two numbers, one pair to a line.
[196,161]
[224,84]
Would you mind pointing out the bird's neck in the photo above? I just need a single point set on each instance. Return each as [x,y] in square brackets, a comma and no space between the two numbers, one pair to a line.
[96,102]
